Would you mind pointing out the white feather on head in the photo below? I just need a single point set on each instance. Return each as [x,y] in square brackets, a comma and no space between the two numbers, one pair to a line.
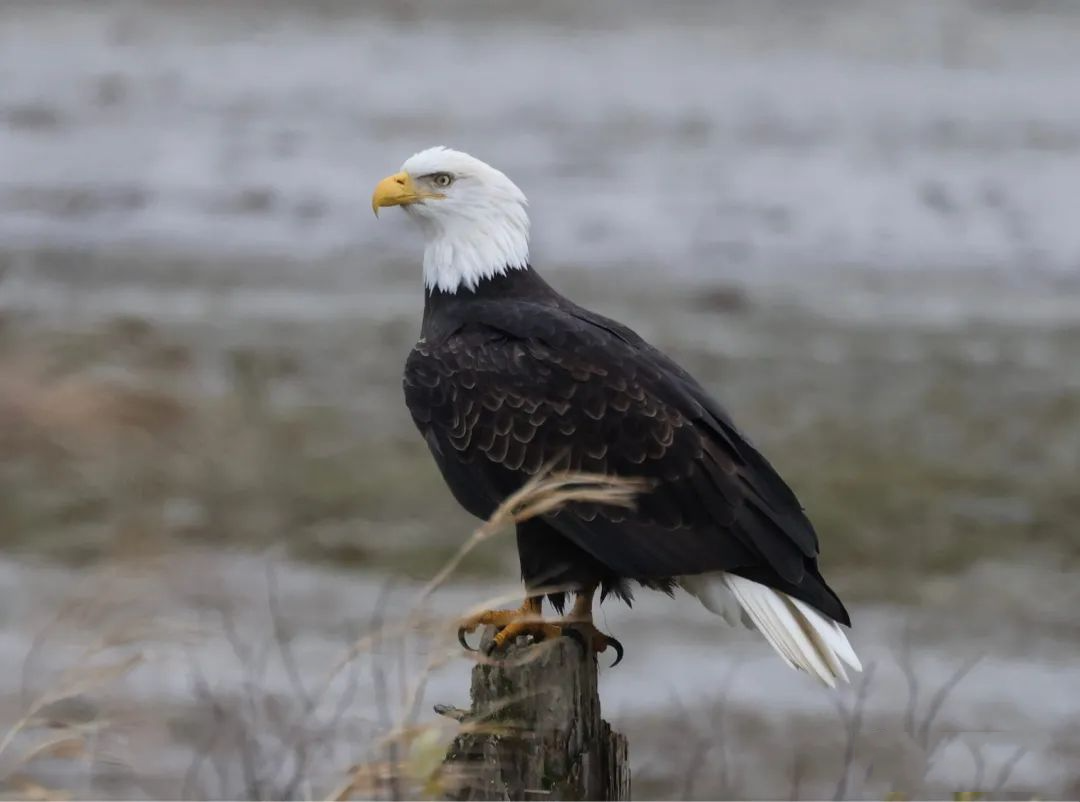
[477,229]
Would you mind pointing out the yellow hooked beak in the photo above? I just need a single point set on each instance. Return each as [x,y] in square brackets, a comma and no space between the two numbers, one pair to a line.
[396,190]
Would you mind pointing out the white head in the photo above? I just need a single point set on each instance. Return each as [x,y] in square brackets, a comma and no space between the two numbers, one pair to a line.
[472,215]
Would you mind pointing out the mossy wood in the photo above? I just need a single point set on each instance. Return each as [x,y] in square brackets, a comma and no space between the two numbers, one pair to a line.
[534,730]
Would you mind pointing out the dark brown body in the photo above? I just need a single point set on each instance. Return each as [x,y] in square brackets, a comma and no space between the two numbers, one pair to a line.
[513,375]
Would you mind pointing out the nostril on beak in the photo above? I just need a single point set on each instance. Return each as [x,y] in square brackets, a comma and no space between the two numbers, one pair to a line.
[400,181]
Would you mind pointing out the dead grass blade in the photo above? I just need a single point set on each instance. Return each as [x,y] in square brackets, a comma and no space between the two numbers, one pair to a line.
[75,681]
[542,494]
[65,746]
[545,493]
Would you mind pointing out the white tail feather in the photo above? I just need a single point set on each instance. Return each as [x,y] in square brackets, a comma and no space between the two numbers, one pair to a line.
[803,637]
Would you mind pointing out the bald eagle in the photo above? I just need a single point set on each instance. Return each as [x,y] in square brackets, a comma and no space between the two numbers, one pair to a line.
[509,375]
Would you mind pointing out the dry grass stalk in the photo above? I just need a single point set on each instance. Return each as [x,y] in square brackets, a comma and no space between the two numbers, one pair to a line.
[74,681]
[543,494]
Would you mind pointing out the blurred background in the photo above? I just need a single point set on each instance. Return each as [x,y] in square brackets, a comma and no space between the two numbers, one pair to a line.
[855,222]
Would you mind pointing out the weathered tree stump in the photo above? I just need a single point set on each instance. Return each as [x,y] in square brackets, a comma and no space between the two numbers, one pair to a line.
[534,730]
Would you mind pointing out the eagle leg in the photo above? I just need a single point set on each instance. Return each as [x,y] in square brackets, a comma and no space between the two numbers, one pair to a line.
[513,624]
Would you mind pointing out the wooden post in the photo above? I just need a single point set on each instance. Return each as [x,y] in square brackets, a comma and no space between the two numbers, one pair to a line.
[534,730]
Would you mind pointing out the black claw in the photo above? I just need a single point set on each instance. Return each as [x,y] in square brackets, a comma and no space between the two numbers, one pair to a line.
[577,637]
[463,642]
[617,647]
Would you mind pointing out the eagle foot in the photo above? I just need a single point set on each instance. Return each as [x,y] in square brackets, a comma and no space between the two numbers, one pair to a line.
[500,619]
[589,637]
[513,624]
[536,628]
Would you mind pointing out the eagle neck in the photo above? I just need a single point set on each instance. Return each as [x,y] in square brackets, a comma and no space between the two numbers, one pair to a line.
[478,242]
[444,312]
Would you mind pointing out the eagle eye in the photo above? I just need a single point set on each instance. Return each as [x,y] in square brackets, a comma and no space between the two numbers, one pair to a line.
[442,180]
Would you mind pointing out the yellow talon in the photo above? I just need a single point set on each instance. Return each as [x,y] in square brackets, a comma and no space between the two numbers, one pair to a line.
[540,630]
[527,620]
[500,619]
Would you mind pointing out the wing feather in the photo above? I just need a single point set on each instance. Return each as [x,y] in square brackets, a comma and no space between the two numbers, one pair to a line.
[518,388]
